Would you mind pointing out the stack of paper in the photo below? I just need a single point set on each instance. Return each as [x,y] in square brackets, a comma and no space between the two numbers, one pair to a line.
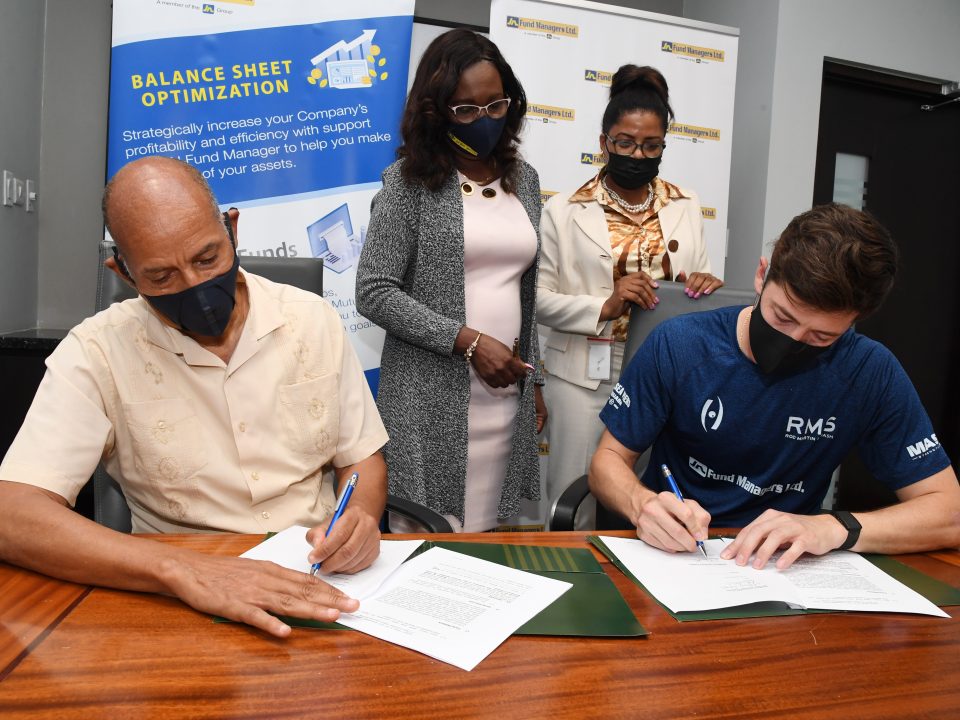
[450,606]
[840,580]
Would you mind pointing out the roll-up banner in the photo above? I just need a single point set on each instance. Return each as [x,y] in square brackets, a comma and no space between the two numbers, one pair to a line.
[565,53]
[290,109]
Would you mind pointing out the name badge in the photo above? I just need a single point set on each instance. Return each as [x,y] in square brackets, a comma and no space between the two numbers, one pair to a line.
[598,358]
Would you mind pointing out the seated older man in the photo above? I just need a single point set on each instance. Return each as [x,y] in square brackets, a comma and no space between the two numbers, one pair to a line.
[219,400]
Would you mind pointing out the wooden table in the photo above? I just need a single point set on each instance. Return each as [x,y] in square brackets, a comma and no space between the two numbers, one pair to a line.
[111,654]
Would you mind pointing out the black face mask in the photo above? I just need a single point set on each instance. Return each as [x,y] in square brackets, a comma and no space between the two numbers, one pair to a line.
[776,352]
[203,309]
[478,138]
[631,173]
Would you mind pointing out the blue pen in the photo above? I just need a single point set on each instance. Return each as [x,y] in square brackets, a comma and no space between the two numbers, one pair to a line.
[341,506]
[676,491]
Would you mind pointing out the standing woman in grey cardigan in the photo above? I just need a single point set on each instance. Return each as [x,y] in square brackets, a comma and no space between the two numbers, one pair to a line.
[449,270]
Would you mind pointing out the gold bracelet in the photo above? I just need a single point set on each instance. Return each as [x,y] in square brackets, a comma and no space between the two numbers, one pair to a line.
[473,346]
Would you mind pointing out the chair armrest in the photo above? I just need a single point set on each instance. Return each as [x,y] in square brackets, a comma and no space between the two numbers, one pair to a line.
[433,521]
[565,509]
[109,504]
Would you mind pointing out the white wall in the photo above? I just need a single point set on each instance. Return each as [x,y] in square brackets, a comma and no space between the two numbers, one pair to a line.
[21,55]
[76,62]
[757,20]
[917,36]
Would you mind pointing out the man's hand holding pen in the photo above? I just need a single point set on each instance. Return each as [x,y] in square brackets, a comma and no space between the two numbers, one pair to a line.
[666,522]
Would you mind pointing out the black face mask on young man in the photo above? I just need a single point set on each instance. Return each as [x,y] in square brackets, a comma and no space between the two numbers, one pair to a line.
[776,352]
[630,172]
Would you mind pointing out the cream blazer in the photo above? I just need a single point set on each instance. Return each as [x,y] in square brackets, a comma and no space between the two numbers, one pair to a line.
[576,273]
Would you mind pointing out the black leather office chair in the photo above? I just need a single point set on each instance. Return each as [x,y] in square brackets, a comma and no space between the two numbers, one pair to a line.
[109,504]
[673,302]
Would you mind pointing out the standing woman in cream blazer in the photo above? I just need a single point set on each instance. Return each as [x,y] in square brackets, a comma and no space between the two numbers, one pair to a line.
[606,246]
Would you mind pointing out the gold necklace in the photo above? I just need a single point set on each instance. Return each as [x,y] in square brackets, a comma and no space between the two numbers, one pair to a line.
[488,192]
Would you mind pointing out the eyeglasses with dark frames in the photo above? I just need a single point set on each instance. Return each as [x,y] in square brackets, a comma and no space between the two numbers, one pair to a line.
[648,148]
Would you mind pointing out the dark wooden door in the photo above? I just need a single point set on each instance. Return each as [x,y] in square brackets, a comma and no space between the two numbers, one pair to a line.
[913,187]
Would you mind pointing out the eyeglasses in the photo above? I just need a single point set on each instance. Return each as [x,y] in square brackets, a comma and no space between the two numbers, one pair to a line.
[648,148]
[468,113]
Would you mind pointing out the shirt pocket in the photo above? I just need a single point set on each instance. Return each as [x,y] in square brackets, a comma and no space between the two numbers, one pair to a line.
[168,444]
[310,416]
[557,340]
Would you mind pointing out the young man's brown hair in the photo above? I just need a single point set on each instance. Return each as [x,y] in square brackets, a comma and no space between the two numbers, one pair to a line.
[834,258]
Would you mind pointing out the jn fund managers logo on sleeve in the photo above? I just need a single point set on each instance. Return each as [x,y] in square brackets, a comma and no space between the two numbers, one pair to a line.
[544,28]
[692,52]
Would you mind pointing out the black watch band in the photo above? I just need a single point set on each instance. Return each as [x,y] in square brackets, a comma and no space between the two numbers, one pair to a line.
[851,525]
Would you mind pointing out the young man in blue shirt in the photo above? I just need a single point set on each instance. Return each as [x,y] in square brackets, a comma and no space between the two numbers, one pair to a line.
[752,408]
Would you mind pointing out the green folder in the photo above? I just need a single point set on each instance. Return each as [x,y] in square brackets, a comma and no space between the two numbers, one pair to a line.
[592,607]
[939,593]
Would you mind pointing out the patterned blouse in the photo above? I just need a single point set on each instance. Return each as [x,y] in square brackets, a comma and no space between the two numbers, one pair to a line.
[636,240]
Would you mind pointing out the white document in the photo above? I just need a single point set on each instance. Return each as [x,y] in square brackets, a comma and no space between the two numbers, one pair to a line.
[450,606]
[453,607]
[840,580]
[290,548]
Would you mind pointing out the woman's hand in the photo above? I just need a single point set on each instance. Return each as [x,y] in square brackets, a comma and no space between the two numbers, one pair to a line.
[496,364]
[541,408]
[637,288]
[699,283]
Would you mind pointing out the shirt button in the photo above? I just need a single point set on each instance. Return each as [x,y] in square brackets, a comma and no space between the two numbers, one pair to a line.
[255,476]
[161,424]
[265,515]
[243,427]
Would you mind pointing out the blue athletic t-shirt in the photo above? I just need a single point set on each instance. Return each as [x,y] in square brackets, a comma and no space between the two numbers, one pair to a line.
[740,442]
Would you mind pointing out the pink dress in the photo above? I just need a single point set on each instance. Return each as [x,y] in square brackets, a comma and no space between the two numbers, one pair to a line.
[499,245]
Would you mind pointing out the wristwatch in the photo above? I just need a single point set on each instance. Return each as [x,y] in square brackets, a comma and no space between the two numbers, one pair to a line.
[851,525]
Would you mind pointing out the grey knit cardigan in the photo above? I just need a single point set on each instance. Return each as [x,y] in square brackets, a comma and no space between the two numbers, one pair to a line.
[410,281]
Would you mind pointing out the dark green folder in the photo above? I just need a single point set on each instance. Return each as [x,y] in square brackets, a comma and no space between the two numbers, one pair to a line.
[939,593]
[592,607]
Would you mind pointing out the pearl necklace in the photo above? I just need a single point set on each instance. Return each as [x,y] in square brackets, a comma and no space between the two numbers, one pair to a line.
[639,207]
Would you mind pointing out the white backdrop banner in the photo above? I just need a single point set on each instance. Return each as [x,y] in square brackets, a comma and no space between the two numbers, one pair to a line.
[565,53]
[291,110]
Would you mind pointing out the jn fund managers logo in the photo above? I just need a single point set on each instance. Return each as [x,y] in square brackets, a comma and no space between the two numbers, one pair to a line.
[547,28]
[692,52]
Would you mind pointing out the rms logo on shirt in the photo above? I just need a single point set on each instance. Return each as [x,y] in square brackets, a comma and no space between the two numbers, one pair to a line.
[924,447]
[799,428]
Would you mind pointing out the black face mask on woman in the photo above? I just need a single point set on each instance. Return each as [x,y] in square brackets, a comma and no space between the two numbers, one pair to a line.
[630,172]
[776,352]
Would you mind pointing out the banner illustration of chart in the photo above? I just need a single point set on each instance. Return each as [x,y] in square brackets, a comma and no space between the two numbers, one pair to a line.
[291,111]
